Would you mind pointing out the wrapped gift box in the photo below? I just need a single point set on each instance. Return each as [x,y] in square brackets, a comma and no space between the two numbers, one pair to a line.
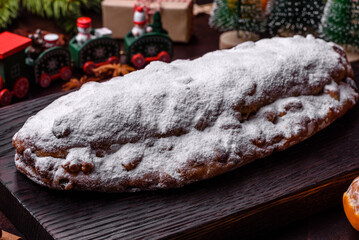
[176,17]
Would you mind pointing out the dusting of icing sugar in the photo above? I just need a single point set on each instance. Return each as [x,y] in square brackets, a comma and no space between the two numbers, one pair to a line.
[167,118]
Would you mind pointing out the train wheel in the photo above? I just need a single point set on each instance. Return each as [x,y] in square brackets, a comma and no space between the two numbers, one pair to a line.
[164,57]
[5,97]
[1,83]
[21,87]
[65,73]
[138,60]
[45,80]
[113,60]
[88,67]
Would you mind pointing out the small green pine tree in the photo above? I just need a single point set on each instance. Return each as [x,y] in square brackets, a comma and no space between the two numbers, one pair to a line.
[243,15]
[295,16]
[340,22]
[224,15]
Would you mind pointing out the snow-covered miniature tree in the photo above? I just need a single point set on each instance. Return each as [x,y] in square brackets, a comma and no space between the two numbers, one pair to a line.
[245,15]
[295,16]
[340,22]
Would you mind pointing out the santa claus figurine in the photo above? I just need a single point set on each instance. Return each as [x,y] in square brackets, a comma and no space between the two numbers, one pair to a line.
[140,22]
[84,28]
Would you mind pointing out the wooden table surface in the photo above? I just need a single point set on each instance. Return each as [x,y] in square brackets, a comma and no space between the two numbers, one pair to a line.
[330,224]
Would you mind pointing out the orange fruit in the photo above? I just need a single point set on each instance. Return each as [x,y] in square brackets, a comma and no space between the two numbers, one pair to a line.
[351,203]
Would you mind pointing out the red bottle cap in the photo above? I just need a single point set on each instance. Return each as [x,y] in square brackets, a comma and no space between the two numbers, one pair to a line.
[84,22]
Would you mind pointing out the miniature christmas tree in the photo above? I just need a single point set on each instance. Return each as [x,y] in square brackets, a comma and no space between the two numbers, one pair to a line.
[289,17]
[340,22]
[224,15]
[245,15]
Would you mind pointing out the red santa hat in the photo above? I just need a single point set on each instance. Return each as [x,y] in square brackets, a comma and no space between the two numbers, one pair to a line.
[84,22]
[139,16]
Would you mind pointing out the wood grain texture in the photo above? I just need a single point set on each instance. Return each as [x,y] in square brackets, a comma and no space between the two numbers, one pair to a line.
[270,192]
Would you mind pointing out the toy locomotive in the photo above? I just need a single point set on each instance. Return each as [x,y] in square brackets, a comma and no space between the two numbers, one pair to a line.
[92,48]
[29,60]
[153,44]
[48,63]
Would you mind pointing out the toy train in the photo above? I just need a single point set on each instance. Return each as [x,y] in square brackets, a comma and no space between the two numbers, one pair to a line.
[19,67]
[151,46]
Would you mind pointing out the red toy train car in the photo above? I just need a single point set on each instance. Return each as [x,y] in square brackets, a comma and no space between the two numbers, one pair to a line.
[17,69]
[14,77]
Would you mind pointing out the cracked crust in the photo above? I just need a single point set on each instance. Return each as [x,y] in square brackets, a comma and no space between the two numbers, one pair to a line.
[172,124]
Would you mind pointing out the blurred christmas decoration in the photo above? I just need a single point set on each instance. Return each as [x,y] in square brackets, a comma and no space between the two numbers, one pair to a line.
[9,10]
[103,72]
[113,70]
[91,48]
[25,61]
[65,12]
[224,15]
[154,44]
[46,60]
[84,27]
[14,77]
[43,57]
[37,45]
[340,22]
[77,83]
[140,21]
[244,17]
[291,17]
[177,16]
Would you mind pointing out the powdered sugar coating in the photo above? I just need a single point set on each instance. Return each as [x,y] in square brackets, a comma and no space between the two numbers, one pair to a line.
[160,124]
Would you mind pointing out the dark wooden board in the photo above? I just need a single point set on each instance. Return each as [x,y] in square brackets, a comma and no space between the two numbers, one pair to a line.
[289,185]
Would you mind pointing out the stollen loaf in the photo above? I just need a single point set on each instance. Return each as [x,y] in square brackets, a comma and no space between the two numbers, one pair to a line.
[173,124]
